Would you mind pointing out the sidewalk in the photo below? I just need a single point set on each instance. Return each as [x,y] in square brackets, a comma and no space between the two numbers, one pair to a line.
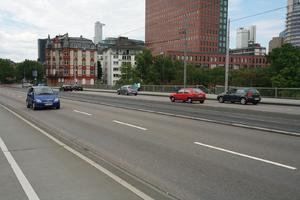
[272,101]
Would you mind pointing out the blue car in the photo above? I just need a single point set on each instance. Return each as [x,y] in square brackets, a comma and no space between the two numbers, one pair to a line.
[42,97]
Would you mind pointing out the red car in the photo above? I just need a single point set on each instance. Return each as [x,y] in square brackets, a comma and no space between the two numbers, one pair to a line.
[188,95]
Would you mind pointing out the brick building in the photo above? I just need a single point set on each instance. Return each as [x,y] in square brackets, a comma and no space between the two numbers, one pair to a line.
[66,55]
[201,24]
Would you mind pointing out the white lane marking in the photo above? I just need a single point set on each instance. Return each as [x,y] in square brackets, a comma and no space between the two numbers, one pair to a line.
[29,191]
[89,161]
[246,156]
[126,124]
[84,113]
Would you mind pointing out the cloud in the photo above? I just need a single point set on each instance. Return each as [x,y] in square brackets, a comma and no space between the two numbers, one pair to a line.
[22,22]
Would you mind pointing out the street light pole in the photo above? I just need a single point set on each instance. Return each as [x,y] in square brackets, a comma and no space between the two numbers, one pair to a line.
[227,56]
[185,52]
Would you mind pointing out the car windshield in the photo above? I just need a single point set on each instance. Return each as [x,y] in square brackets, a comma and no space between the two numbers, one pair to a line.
[43,91]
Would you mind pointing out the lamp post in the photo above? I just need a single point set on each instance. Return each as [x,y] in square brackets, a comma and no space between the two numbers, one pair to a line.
[227,56]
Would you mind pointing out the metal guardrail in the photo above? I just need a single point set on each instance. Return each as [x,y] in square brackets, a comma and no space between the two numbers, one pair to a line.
[267,92]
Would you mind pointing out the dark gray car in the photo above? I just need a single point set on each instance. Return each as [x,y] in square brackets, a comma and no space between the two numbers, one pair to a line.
[242,95]
[127,90]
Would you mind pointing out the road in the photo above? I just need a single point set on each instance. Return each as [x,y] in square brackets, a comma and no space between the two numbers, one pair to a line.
[159,154]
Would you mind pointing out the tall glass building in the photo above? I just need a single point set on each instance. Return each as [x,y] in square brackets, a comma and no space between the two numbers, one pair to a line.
[197,27]
[292,33]
[205,23]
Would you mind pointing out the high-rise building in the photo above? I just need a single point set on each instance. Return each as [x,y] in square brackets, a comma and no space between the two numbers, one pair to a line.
[42,50]
[197,27]
[98,32]
[245,37]
[276,42]
[292,33]
[202,22]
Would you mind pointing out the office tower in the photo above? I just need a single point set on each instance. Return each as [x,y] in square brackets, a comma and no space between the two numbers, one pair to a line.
[98,32]
[292,33]
[245,37]
[203,23]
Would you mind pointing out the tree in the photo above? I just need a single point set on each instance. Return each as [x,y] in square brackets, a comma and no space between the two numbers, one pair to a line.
[286,56]
[100,71]
[26,68]
[144,62]
[285,66]
[6,71]
[128,74]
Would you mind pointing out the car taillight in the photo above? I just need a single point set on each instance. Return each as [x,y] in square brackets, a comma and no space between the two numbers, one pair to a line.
[249,94]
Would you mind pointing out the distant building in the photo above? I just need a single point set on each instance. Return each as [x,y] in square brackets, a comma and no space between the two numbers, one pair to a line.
[198,27]
[71,60]
[98,32]
[252,49]
[276,42]
[245,37]
[42,50]
[113,52]
[292,33]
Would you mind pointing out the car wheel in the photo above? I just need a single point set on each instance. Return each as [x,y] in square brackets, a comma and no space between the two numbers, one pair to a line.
[202,101]
[221,100]
[189,100]
[135,94]
[119,93]
[27,104]
[172,99]
[255,103]
[58,107]
[232,101]
[243,101]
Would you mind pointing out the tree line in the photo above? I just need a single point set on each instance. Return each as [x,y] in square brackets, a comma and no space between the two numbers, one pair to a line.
[283,71]
[11,72]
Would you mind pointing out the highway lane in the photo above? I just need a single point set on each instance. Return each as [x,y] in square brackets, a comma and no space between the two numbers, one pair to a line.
[166,154]
[272,117]
[34,167]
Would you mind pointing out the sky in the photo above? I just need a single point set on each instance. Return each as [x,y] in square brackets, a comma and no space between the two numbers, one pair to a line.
[22,22]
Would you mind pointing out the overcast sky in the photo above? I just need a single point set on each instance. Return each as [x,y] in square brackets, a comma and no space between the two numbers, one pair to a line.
[22,22]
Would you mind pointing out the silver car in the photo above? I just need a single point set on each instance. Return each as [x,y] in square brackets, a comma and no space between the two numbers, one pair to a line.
[127,90]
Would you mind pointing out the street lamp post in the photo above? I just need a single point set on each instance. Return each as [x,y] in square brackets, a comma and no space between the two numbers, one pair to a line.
[185,56]
[227,56]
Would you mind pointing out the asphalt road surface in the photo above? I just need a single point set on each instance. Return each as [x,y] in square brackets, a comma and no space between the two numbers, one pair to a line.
[156,153]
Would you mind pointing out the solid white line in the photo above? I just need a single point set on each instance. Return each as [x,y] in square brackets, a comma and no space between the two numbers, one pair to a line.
[29,191]
[94,164]
[246,156]
[126,124]
[84,113]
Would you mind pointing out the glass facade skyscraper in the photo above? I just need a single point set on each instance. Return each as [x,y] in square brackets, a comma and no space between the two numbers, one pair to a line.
[292,33]
[204,22]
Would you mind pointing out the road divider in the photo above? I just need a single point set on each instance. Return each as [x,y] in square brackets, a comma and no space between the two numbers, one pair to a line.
[246,156]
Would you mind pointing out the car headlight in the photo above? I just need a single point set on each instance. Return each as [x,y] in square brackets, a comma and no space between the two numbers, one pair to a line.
[38,101]
[56,99]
